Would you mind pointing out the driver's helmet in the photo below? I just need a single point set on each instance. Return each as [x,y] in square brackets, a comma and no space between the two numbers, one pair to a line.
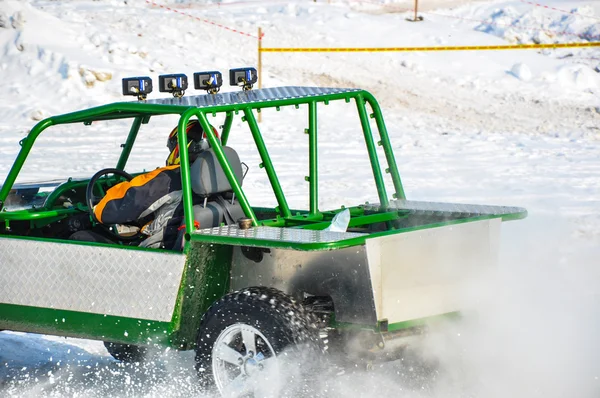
[197,142]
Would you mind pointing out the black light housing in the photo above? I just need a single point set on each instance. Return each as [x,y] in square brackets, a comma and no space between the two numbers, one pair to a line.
[244,77]
[175,84]
[210,81]
[137,86]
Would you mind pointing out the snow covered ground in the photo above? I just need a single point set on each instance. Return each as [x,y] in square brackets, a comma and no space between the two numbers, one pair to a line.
[507,127]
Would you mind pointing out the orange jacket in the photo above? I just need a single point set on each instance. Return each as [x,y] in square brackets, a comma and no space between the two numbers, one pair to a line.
[143,195]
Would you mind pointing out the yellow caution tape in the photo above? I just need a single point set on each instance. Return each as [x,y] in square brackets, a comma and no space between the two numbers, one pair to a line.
[444,48]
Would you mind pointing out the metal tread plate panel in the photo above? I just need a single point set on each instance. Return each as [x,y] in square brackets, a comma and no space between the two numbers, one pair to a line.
[93,279]
[292,235]
[455,208]
[251,96]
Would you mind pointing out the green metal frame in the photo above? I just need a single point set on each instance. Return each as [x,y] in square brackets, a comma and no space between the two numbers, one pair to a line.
[207,254]
[75,324]
[180,332]
[340,244]
[140,112]
[133,132]
[384,327]
[226,127]
[313,177]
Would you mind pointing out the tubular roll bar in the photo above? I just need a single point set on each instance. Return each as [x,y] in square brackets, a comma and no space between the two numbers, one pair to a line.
[313,177]
[141,112]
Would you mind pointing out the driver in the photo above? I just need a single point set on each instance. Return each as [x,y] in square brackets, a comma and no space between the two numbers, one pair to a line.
[154,199]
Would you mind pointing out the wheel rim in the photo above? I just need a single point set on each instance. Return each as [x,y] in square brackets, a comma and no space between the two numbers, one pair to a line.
[242,357]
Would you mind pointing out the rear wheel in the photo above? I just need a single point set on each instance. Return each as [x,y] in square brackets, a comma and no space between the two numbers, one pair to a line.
[247,340]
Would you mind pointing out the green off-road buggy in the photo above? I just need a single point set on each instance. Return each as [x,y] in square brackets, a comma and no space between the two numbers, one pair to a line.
[253,283]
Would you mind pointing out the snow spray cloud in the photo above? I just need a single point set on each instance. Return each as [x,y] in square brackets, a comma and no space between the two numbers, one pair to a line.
[533,324]
[34,366]
[529,330]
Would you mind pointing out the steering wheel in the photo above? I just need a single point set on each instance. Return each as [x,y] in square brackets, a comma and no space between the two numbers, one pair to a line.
[92,200]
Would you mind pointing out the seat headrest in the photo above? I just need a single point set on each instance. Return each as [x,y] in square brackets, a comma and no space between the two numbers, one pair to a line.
[207,175]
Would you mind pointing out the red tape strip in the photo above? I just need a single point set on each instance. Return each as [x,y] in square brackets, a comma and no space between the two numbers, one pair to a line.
[559,10]
[205,20]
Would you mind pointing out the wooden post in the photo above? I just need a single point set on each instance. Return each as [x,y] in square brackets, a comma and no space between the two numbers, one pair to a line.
[416,18]
[416,8]
[259,65]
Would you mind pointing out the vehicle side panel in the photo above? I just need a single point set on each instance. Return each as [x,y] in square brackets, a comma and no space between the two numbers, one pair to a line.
[427,272]
[84,278]
[206,279]
[341,274]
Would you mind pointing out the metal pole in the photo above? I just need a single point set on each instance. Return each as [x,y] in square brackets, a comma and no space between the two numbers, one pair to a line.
[224,162]
[284,210]
[133,132]
[387,147]
[364,121]
[312,158]
[26,144]
[226,127]
[259,65]
[184,168]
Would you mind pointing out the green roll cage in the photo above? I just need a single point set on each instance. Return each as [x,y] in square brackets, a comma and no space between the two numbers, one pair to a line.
[142,111]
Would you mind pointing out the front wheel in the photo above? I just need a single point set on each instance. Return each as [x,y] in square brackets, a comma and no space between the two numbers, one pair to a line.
[247,339]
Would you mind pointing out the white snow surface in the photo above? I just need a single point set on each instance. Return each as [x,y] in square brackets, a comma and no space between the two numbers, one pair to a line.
[494,127]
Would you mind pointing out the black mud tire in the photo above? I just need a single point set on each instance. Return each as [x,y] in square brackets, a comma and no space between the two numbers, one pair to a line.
[286,324]
[126,352]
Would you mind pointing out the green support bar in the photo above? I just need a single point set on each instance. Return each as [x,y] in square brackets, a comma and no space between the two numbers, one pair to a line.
[312,157]
[387,147]
[133,132]
[227,127]
[119,110]
[26,144]
[266,161]
[185,169]
[364,121]
[235,184]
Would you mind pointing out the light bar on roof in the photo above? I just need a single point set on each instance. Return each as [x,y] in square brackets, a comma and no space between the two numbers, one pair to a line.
[175,84]
[209,81]
[244,77]
[137,86]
